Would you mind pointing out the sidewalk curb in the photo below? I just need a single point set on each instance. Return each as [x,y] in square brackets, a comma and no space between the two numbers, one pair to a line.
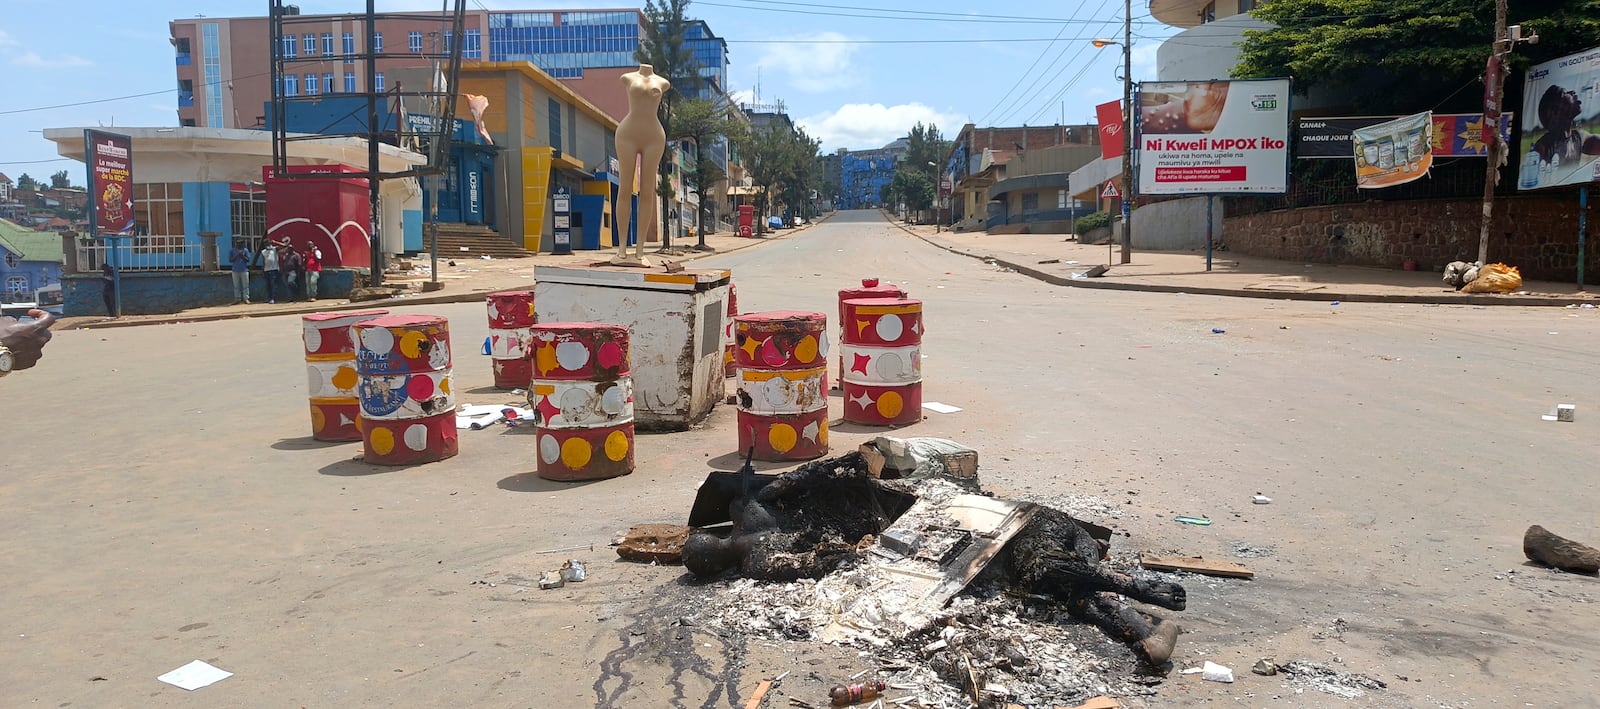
[1094,284]
[432,299]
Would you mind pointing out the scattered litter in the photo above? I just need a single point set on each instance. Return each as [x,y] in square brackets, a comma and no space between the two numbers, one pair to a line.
[551,579]
[464,249]
[577,547]
[573,571]
[1265,667]
[1334,303]
[1049,260]
[1347,685]
[195,675]
[1246,550]
[1261,500]
[1074,263]
[939,408]
[655,543]
[1214,672]
[486,257]
[485,349]
[519,392]
[1197,521]
[1217,331]
[1195,565]
[1283,327]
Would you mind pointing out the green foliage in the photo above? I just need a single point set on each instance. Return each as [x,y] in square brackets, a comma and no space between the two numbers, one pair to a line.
[1401,56]
[1091,222]
[60,180]
[782,160]
[27,182]
[664,48]
[915,181]
[913,187]
[702,122]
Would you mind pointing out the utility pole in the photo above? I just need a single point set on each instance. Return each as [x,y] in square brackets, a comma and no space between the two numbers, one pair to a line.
[1493,82]
[1127,129]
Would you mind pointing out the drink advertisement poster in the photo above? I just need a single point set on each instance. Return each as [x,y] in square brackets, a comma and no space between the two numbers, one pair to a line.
[110,161]
[1561,123]
[1214,137]
[1394,152]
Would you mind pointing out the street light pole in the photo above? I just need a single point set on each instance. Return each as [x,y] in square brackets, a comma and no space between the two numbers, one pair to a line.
[1127,131]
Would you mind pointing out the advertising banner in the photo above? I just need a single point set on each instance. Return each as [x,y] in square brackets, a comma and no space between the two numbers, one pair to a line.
[1455,135]
[1214,137]
[1560,119]
[110,162]
[1393,152]
[1109,114]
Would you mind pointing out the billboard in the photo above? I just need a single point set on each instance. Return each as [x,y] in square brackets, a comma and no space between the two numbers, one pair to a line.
[1393,152]
[1214,137]
[109,157]
[1455,135]
[1109,116]
[1560,118]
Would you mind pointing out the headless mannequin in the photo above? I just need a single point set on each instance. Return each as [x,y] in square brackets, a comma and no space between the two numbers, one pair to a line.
[640,143]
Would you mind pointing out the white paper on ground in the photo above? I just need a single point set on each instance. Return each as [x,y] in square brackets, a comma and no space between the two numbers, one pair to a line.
[1216,672]
[195,675]
[937,407]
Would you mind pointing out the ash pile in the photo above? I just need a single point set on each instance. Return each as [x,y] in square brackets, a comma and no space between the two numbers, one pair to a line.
[963,598]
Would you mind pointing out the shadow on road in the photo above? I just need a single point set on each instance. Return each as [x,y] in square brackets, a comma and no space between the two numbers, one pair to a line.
[730,462]
[307,443]
[356,467]
[530,482]
[842,426]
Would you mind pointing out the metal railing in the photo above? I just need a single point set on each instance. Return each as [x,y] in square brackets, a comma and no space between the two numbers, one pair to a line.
[142,255]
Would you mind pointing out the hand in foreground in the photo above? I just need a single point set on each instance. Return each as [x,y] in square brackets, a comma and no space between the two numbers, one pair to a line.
[26,339]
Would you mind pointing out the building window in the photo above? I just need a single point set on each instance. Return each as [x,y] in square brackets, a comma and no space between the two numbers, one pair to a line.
[349,82]
[1030,203]
[377,42]
[327,83]
[182,45]
[1208,13]
[311,84]
[18,289]
[414,42]
[472,45]
[449,38]
[289,45]
[349,46]
[187,123]
[1061,199]
[327,44]
[291,85]
[158,217]
[555,123]
[247,211]
[185,93]
[212,57]
[308,44]
[377,81]
[1246,5]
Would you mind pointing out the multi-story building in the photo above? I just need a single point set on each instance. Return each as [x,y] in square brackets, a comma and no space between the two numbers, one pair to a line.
[977,167]
[864,173]
[223,73]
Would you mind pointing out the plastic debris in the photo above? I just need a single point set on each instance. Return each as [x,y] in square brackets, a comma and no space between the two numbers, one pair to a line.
[1196,521]
[195,675]
[551,579]
[1214,672]
[573,571]
[1265,667]
[1217,331]
[1261,500]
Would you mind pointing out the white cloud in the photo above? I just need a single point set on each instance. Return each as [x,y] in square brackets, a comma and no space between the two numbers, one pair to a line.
[6,40]
[61,62]
[818,64]
[864,126]
[1144,60]
[743,96]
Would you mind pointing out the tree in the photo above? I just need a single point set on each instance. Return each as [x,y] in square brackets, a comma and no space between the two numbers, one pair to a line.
[664,48]
[1404,56]
[60,180]
[703,122]
[26,182]
[782,161]
[916,178]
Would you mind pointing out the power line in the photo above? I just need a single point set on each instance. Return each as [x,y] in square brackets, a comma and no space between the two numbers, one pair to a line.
[1022,99]
[120,98]
[34,162]
[919,17]
[1029,70]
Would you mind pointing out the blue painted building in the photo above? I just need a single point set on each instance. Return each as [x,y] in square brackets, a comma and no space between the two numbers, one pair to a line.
[29,260]
[864,173]
[565,42]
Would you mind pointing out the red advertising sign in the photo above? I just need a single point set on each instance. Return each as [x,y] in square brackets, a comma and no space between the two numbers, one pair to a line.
[110,161]
[1111,129]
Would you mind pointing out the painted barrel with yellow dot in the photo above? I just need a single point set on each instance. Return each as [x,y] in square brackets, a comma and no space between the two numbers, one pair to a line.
[881,353]
[331,373]
[581,392]
[869,288]
[407,394]
[510,316]
[729,367]
[783,384]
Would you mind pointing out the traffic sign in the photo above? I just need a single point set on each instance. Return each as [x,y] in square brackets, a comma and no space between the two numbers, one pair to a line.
[1110,191]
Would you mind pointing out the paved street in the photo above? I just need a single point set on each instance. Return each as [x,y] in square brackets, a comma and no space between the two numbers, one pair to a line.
[165,503]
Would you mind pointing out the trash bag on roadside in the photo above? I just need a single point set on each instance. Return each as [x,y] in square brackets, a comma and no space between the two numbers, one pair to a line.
[1495,278]
[920,457]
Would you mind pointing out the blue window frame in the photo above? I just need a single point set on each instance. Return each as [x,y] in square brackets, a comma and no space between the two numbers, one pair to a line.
[349,46]
[291,85]
[349,82]
[377,80]
[414,42]
[289,46]
[377,42]
[327,44]
[554,109]
[472,45]
[211,54]
[311,84]
[308,44]
[327,83]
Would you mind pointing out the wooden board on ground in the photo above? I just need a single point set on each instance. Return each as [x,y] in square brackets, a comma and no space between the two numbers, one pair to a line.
[1195,565]
[1097,703]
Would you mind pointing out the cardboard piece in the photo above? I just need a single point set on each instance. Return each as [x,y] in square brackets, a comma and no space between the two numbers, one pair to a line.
[1195,565]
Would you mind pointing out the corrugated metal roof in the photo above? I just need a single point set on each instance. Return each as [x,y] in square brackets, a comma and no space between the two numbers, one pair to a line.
[30,245]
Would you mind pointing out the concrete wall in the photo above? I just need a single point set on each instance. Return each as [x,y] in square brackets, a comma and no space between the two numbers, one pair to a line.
[1537,234]
[1176,225]
[158,293]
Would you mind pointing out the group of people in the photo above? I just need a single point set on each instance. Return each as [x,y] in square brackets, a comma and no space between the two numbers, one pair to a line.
[291,273]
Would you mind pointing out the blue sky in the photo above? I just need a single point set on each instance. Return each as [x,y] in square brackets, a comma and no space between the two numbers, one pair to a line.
[821,58]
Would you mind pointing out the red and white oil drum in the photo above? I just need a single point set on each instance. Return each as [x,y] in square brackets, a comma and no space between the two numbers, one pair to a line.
[331,373]
[510,316]
[729,368]
[408,405]
[881,353]
[869,288]
[582,396]
[783,384]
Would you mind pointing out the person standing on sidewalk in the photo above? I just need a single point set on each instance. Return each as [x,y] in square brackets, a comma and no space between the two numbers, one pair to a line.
[293,272]
[239,261]
[269,268]
[313,270]
[108,288]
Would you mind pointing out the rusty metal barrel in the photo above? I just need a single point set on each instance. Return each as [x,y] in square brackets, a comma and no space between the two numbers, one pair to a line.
[729,368]
[782,358]
[882,354]
[331,373]
[869,288]
[582,395]
[510,316]
[408,404]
